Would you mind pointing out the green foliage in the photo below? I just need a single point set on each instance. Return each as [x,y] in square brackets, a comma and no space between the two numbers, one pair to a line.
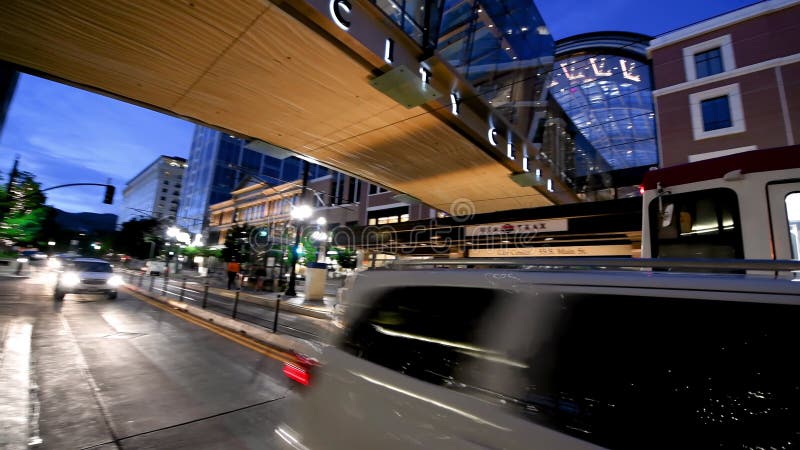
[237,243]
[215,252]
[23,210]
[346,257]
[310,250]
[138,236]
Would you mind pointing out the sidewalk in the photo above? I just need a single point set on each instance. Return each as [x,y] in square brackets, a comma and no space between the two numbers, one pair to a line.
[321,309]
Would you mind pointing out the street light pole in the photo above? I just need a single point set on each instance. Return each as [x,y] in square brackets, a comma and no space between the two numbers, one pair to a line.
[293,257]
[299,213]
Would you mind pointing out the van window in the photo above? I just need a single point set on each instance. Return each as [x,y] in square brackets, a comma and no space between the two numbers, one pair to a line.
[426,332]
[702,224]
[638,372]
[793,214]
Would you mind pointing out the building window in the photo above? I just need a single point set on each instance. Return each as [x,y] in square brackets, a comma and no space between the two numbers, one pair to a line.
[166,181]
[717,112]
[375,189]
[163,190]
[708,58]
[708,63]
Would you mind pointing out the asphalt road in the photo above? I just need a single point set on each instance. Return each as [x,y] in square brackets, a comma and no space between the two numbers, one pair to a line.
[95,373]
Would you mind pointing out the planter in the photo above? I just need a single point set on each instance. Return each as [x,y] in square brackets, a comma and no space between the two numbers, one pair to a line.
[314,287]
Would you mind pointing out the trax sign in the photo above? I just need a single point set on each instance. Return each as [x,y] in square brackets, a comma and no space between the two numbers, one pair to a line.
[536,226]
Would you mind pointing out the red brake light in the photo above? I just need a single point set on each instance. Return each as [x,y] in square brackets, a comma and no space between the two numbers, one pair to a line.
[300,369]
[641,189]
[296,373]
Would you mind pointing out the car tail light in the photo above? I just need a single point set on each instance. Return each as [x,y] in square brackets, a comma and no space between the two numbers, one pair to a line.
[299,370]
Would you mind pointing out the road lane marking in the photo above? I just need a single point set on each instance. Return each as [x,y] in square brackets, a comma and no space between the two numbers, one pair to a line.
[246,341]
[15,383]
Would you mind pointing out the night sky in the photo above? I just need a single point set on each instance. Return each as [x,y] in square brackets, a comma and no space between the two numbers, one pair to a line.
[65,135]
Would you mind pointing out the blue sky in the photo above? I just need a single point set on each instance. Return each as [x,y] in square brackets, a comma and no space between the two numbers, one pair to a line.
[65,135]
[566,18]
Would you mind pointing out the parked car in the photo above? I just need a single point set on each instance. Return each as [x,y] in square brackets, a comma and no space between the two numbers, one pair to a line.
[87,276]
[529,358]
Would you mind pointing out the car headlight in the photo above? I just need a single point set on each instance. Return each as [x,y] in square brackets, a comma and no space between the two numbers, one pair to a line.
[115,281]
[22,259]
[53,263]
[70,279]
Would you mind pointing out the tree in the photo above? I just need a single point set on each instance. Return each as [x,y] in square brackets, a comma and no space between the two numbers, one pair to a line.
[346,257]
[138,237]
[237,243]
[25,212]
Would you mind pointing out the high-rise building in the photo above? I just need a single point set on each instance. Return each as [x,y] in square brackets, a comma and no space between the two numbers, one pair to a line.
[218,163]
[154,192]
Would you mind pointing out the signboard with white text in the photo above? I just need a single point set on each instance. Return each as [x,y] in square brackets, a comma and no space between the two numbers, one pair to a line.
[521,227]
[593,250]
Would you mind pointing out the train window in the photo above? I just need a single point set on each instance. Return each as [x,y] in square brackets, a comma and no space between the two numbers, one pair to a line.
[702,224]
[793,214]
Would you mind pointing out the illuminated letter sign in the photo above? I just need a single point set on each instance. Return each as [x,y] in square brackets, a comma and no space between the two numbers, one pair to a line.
[425,74]
[570,73]
[388,53]
[599,68]
[455,102]
[510,150]
[627,72]
[338,7]
[492,132]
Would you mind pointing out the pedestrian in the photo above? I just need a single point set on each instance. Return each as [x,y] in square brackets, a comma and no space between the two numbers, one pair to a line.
[233,272]
[260,274]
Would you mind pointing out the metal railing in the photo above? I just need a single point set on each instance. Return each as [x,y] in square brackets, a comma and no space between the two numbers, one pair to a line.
[263,314]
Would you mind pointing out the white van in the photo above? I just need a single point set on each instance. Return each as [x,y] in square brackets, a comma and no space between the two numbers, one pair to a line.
[555,357]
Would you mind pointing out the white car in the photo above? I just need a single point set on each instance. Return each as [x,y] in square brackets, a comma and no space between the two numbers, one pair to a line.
[87,276]
[517,358]
[154,267]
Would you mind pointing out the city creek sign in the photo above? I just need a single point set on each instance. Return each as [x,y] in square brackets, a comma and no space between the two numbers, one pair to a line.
[342,14]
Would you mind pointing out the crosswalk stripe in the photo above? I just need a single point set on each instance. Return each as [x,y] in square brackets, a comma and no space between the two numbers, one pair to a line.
[15,382]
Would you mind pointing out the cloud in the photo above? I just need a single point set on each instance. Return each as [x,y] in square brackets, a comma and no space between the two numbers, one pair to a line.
[67,135]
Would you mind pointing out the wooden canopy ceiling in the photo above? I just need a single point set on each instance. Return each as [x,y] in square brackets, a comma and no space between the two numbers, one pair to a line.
[253,68]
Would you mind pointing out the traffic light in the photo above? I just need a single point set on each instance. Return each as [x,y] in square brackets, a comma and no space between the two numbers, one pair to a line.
[109,199]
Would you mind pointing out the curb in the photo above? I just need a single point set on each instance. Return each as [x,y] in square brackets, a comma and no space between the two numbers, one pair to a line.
[280,342]
[285,305]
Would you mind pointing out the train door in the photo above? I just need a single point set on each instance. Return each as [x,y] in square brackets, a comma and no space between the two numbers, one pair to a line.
[784,211]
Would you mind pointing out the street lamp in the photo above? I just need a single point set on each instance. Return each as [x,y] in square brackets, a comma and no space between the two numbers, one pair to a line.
[299,214]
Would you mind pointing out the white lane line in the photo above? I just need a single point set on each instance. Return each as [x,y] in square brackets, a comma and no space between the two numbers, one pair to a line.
[15,382]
